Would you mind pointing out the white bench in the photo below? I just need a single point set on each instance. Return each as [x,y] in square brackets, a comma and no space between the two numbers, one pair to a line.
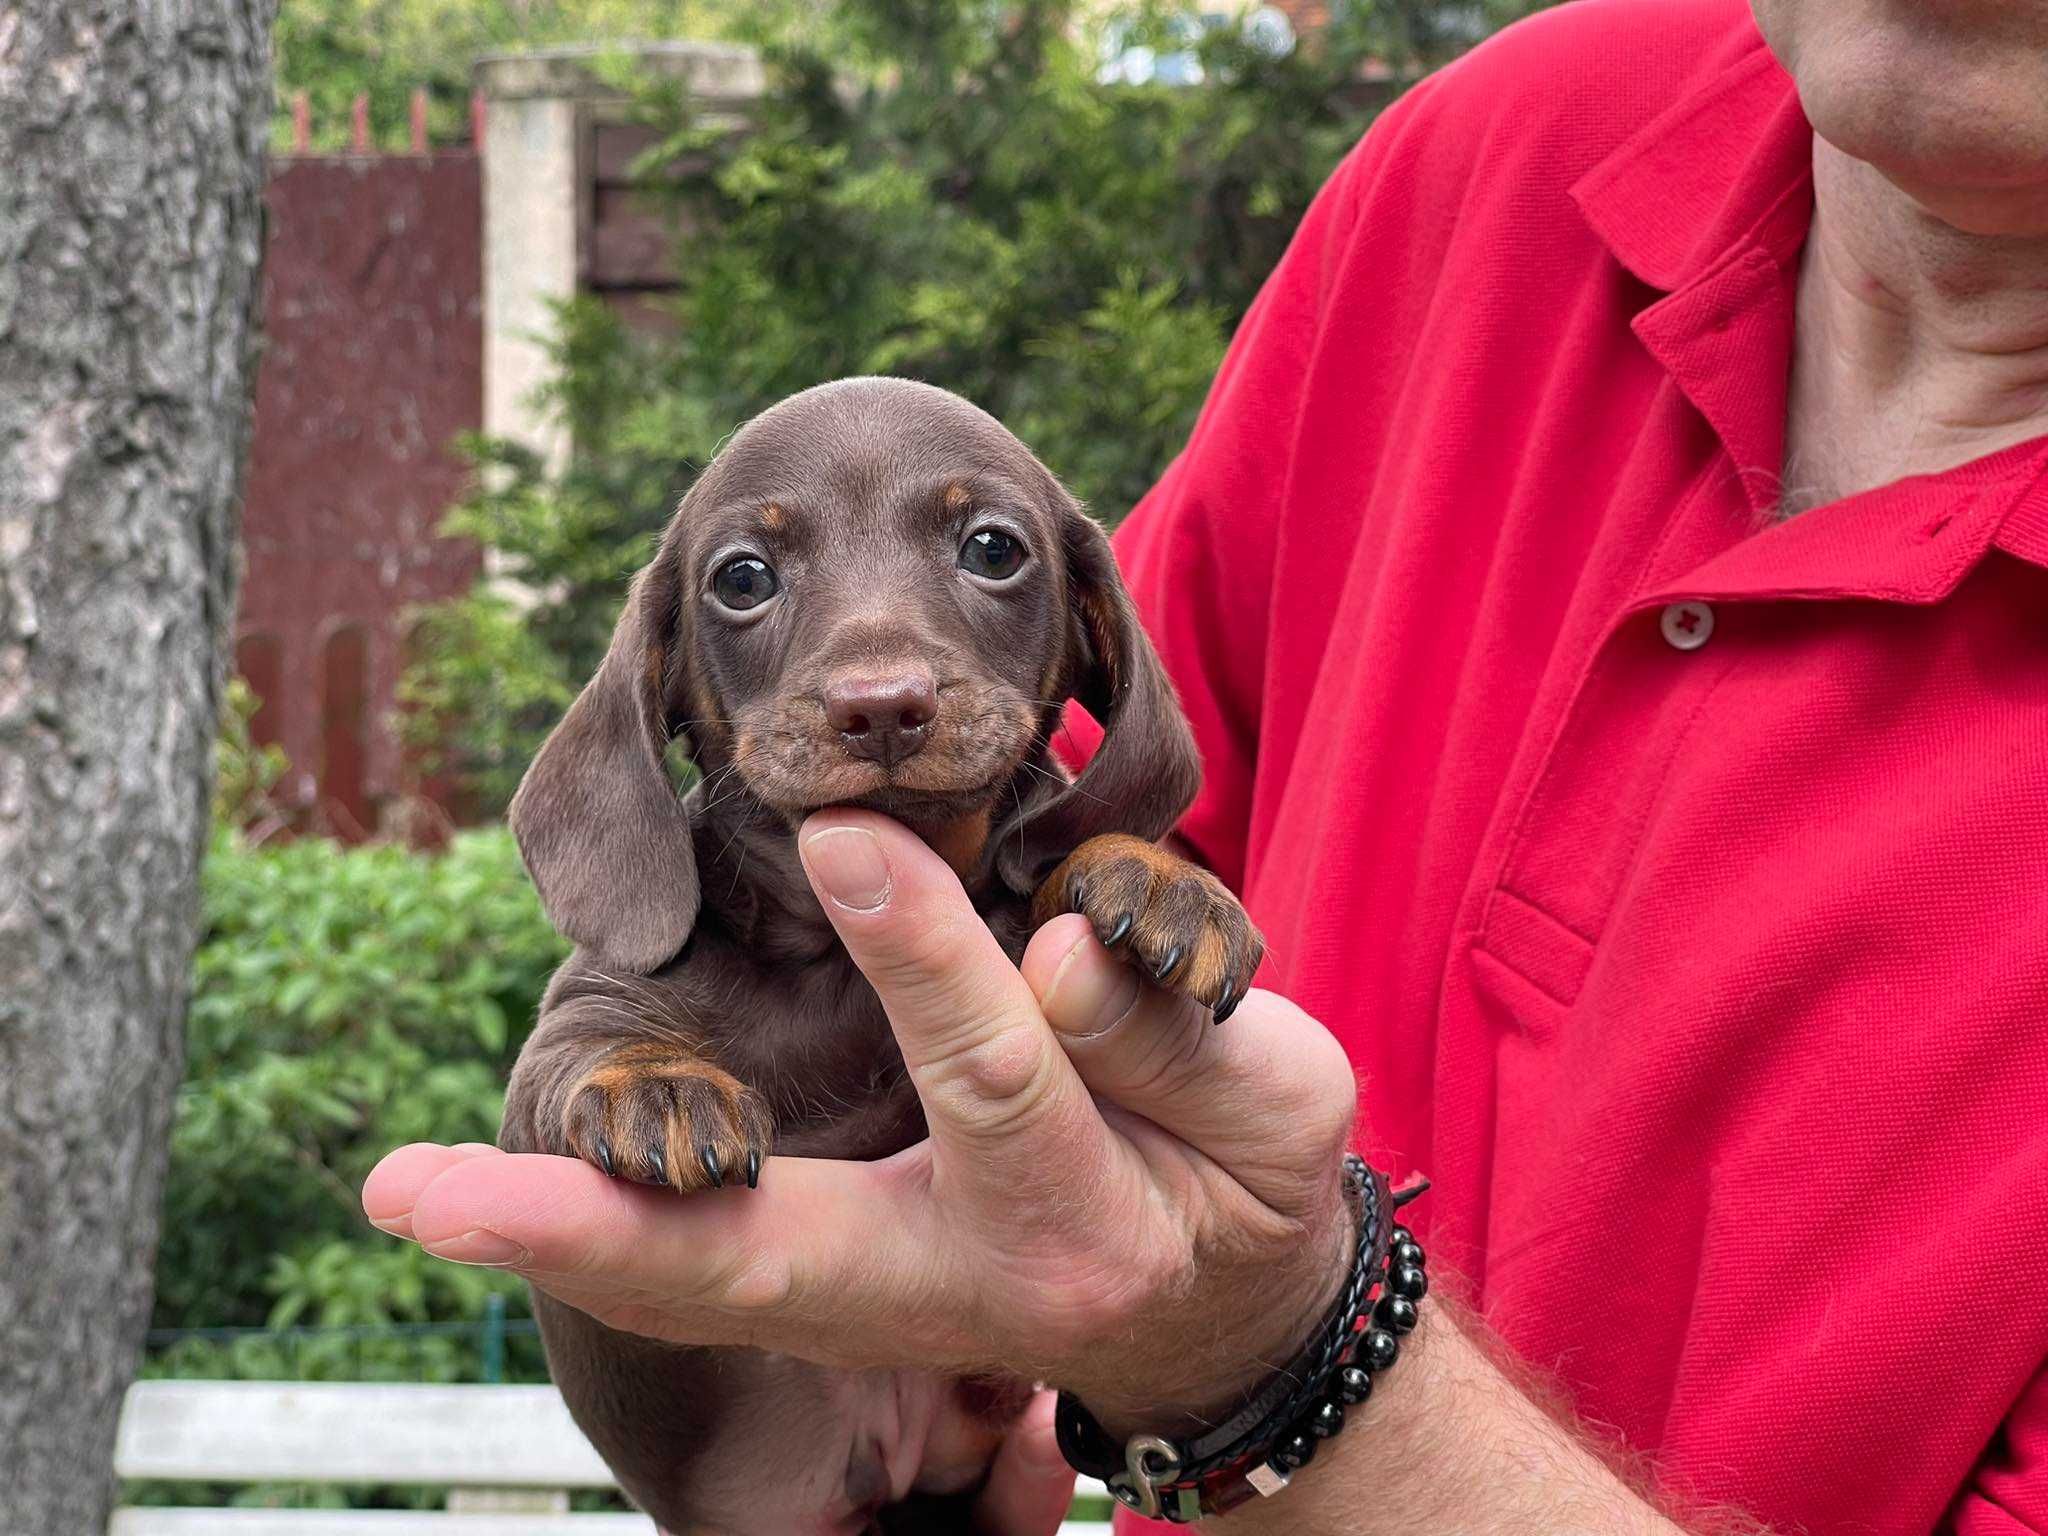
[489,1445]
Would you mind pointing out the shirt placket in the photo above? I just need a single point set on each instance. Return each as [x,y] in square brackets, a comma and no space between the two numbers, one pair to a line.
[1724,339]
[1685,630]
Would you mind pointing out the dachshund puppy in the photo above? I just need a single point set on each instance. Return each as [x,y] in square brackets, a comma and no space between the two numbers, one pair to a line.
[873,596]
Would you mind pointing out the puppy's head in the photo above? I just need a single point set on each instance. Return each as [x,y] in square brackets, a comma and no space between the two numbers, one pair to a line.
[874,596]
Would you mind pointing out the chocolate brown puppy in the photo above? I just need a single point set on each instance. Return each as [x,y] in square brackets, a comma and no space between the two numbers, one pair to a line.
[873,596]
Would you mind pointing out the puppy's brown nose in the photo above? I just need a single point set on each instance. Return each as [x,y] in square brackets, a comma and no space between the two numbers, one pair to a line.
[883,719]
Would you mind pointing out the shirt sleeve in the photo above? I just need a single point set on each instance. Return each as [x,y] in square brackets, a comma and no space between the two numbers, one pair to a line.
[2008,1494]
[1198,552]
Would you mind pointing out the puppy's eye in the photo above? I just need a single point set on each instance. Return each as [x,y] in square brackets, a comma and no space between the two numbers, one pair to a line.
[744,583]
[992,553]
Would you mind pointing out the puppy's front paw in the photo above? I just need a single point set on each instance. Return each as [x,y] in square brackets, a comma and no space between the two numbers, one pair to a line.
[1174,920]
[658,1115]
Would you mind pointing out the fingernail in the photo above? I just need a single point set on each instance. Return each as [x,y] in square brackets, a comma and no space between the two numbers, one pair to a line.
[847,864]
[397,1226]
[1090,992]
[480,1247]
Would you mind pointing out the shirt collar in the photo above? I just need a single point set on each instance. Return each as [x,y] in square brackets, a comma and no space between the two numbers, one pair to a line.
[1727,166]
[1912,541]
[1711,202]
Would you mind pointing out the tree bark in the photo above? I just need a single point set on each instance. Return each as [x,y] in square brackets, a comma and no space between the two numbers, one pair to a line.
[131,151]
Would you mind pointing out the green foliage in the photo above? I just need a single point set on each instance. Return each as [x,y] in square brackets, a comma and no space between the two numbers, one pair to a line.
[494,688]
[244,773]
[400,1352]
[951,190]
[335,50]
[346,1000]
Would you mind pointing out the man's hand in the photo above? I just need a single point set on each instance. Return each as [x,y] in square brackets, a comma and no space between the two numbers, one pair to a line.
[1115,1196]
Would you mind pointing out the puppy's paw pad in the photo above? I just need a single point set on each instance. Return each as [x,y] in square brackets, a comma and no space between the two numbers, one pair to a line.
[655,1115]
[1172,919]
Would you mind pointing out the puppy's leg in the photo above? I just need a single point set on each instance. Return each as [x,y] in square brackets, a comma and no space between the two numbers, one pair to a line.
[1174,920]
[644,1105]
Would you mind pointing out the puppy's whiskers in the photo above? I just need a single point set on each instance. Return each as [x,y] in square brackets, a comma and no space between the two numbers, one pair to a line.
[712,798]
[1059,783]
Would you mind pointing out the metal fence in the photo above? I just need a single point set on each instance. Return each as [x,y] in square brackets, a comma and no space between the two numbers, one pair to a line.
[493,1348]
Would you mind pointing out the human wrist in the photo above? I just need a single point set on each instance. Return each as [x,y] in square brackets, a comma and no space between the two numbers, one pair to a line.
[1277,1309]
[1452,1441]
[1253,1447]
[1366,1480]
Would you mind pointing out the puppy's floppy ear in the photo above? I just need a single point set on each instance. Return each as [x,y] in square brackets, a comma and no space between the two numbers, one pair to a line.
[1146,771]
[597,820]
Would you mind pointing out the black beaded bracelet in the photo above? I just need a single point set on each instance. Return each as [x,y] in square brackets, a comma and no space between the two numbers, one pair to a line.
[1277,1430]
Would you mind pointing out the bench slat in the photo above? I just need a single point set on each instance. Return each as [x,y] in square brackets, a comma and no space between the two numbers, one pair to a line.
[366,1522]
[344,1432]
[391,1522]
[351,1432]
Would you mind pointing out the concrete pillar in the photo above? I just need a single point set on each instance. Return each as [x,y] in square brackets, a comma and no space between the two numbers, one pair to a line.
[529,166]
[538,107]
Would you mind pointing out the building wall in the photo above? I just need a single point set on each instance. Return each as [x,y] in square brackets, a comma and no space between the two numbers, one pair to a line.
[373,364]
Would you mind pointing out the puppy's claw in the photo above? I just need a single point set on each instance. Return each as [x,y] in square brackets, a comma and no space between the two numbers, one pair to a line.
[708,1156]
[604,1158]
[1226,1005]
[1173,921]
[658,1164]
[754,1168]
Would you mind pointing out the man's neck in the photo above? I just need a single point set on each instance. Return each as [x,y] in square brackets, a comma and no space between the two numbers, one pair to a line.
[1918,347]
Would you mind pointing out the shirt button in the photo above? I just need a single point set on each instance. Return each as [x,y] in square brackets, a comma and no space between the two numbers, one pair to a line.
[1687,626]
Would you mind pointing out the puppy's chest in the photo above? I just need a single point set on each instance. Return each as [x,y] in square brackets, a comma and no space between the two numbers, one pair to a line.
[821,1051]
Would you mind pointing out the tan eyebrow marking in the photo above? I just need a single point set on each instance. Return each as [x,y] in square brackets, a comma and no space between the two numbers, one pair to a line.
[773,517]
[956,497]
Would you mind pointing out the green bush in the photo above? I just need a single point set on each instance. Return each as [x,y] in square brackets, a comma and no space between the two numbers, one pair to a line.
[345,1000]
[945,189]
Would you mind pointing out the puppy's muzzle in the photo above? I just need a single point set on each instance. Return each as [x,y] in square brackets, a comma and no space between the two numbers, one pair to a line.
[883,719]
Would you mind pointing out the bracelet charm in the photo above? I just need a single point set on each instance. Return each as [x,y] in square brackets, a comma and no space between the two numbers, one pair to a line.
[1266,1479]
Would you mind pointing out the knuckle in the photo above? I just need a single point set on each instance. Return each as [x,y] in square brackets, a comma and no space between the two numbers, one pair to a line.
[913,950]
[993,1082]
[929,965]
[762,1283]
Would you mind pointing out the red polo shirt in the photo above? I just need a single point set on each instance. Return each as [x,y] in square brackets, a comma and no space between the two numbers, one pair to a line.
[1677,876]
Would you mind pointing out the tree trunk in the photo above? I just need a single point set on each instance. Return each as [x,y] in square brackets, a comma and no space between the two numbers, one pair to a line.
[131,140]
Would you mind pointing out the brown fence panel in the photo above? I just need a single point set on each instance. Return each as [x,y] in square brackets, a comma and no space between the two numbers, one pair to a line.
[373,365]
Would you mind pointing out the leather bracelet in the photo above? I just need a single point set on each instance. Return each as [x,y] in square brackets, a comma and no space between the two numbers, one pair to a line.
[1276,1431]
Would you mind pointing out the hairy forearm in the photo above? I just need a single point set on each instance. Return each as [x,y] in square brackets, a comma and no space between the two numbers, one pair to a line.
[1449,1446]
